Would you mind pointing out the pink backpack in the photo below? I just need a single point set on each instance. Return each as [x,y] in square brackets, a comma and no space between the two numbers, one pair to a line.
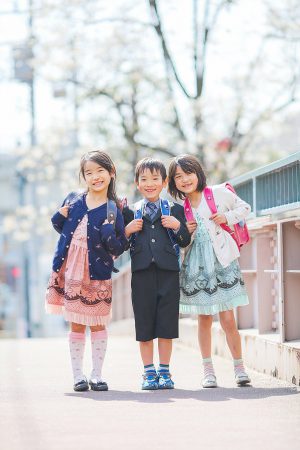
[239,232]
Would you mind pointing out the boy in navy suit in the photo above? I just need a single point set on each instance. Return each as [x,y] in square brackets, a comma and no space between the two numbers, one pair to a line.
[155,238]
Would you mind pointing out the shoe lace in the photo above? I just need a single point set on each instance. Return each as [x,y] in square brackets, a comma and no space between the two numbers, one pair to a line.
[165,375]
[151,376]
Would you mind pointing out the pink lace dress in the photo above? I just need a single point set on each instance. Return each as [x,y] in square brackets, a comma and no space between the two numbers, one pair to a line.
[72,293]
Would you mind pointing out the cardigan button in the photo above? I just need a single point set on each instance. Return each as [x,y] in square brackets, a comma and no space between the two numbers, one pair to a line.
[78,220]
[67,246]
[72,232]
[62,258]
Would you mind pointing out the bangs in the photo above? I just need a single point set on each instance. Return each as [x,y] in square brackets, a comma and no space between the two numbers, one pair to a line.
[154,165]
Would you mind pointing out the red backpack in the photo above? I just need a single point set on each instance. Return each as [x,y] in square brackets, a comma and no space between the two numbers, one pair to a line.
[239,232]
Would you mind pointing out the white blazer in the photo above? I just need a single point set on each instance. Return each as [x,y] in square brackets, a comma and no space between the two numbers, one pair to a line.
[235,210]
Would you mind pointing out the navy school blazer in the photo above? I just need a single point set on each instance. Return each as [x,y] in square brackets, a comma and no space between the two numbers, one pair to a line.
[103,241]
[152,244]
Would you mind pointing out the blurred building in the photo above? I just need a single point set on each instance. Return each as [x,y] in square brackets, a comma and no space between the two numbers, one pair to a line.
[10,269]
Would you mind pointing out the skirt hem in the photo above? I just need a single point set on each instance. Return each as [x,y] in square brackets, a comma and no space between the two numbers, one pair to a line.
[77,317]
[210,310]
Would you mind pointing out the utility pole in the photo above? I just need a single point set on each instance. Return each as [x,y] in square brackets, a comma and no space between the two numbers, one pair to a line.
[33,242]
[24,73]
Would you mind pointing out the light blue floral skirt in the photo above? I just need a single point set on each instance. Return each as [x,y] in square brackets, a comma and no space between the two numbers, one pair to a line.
[206,287]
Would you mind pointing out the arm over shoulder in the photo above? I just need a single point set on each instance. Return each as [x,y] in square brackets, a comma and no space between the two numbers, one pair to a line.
[183,237]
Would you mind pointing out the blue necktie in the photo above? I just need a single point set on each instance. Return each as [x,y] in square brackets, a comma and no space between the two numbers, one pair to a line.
[151,210]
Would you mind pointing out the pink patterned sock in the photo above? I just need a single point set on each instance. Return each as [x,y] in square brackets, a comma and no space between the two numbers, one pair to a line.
[99,343]
[77,344]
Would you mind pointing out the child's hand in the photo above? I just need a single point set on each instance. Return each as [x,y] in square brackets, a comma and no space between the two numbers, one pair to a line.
[106,222]
[218,218]
[191,226]
[134,226]
[64,210]
[170,222]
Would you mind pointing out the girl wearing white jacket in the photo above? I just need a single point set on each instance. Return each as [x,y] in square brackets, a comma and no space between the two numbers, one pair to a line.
[210,278]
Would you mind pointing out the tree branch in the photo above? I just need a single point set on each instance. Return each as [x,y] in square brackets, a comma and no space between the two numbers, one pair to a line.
[167,56]
[156,148]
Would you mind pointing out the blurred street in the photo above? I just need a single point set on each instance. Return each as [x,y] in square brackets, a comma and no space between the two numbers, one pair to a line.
[40,410]
[217,79]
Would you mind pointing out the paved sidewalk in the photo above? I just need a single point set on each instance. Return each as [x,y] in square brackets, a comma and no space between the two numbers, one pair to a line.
[39,410]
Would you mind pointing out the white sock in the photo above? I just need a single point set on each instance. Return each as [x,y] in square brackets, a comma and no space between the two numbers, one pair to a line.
[208,367]
[99,343]
[77,344]
[238,367]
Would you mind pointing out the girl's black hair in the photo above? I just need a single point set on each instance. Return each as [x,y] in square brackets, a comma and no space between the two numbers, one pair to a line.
[103,160]
[154,165]
[189,164]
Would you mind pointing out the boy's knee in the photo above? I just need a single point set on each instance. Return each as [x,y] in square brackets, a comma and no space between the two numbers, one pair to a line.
[146,343]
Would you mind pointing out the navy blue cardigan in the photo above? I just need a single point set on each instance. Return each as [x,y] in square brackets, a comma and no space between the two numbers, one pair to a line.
[103,240]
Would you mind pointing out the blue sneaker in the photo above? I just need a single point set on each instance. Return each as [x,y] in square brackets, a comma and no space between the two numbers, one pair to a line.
[150,382]
[165,381]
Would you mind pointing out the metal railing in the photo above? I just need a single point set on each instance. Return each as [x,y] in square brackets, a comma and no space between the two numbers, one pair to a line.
[273,188]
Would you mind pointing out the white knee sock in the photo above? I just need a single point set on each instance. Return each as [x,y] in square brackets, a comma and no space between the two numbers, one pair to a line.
[77,344]
[99,343]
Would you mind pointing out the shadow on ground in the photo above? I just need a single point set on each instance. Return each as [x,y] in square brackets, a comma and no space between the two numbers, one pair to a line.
[220,394]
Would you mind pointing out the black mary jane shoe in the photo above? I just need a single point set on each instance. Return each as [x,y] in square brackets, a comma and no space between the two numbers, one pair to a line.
[81,386]
[98,386]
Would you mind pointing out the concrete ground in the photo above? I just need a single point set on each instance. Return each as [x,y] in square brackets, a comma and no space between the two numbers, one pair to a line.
[40,410]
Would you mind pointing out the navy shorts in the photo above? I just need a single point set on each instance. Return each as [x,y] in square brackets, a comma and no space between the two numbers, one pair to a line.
[155,300]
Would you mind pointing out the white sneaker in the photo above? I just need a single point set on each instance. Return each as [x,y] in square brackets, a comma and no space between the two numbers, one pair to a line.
[209,381]
[242,379]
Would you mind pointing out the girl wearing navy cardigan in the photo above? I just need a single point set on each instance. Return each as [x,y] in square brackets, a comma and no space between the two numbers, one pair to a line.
[80,286]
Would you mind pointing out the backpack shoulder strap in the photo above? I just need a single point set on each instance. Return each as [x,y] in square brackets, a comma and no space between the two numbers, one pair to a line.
[111,212]
[138,209]
[165,207]
[138,214]
[209,197]
[188,212]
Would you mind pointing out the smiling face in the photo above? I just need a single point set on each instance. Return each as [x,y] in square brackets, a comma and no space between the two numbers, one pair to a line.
[185,176]
[150,184]
[96,177]
[185,182]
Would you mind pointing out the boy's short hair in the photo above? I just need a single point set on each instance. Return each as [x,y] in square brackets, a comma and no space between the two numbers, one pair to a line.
[154,165]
